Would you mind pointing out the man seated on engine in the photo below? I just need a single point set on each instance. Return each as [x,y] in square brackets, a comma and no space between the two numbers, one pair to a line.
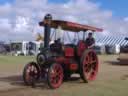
[56,46]
[90,41]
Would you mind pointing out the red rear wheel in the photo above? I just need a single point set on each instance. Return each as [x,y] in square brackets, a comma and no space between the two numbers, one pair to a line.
[89,65]
[55,75]
[31,73]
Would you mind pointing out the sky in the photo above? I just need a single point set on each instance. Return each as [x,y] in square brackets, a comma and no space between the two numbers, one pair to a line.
[19,18]
[118,7]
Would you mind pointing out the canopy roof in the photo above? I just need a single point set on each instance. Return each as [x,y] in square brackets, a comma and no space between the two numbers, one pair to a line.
[71,26]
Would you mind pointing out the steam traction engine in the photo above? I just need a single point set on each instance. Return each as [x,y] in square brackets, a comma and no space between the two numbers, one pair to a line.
[57,61]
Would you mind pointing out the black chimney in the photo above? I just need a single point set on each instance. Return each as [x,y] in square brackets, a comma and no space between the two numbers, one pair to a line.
[47,29]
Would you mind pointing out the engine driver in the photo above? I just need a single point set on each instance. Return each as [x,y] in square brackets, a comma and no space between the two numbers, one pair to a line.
[90,41]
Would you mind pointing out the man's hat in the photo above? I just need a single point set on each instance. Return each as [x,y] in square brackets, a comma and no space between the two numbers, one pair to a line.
[89,33]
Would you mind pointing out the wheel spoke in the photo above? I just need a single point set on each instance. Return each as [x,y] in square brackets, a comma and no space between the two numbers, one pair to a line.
[93,61]
[90,66]
[31,72]
[55,79]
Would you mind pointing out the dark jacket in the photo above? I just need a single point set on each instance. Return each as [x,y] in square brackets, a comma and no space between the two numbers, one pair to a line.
[90,41]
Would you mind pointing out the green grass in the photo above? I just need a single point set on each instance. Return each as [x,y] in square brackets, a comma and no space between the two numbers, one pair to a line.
[101,87]
[15,59]
[14,64]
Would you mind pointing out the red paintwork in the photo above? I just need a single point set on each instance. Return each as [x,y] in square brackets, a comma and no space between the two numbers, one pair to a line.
[81,47]
[71,26]
[82,27]
[68,63]
[90,75]
[68,58]
[60,60]
[69,52]
[73,67]
[56,75]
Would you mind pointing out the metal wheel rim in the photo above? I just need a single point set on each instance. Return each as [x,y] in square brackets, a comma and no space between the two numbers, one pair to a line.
[56,75]
[31,73]
[90,66]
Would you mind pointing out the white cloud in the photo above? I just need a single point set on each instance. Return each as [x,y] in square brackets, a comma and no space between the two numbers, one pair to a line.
[126,19]
[21,18]
[21,24]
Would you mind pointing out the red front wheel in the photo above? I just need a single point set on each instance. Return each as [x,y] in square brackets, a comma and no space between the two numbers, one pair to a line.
[31,73]
[89,65]
[55,75]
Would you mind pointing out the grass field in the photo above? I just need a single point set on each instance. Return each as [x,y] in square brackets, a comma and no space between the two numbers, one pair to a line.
[112,80]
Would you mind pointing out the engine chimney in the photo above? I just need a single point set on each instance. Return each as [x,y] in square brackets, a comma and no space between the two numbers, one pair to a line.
[47,29]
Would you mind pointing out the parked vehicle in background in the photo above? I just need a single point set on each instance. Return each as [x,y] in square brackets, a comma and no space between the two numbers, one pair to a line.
[2,49]
[123,56]
[25,48]
[100,49]
[112,49]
